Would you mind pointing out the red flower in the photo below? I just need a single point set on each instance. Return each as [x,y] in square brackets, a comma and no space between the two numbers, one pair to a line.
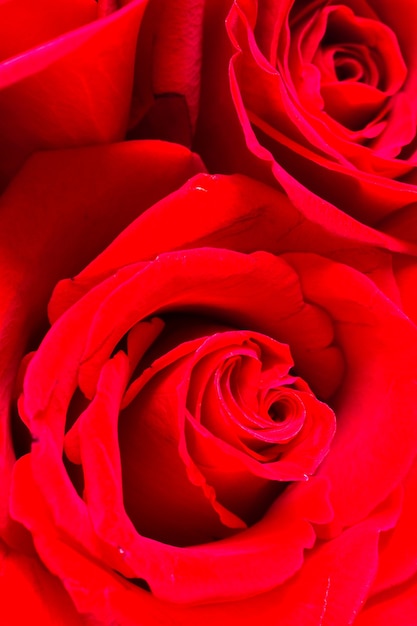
[182,466]
[318,98]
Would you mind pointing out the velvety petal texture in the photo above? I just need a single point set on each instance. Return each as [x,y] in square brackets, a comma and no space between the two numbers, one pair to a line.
[65,80]
[45,599]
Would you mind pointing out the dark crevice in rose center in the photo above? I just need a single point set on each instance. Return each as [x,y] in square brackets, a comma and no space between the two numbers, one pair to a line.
[141,583]
[346,69]
[179,327]
[121,345]
[75,473]
[277,412]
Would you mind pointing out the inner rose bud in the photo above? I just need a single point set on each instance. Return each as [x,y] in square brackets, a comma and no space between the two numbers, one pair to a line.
[210,431]
[209,423]
[345,64]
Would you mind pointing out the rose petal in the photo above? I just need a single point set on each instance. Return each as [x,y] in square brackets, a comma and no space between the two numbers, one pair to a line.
[377,342]
[274,547]
[28,27]
[398,548]
[45,599]
[396,606]
[348,561]
[77,88]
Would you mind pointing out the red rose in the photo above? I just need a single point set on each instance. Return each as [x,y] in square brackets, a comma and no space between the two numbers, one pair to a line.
[218,431]
[65,80]
[319,98]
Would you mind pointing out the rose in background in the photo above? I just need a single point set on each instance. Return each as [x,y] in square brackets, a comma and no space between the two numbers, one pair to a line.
[66,75]
[192,367]
[319,98]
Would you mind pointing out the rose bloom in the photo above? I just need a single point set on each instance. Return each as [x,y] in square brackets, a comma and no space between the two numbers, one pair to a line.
[206,428]
[319,99]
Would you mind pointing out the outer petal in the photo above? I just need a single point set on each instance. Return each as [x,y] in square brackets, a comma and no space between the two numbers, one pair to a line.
[396,606]
[237,213]
[377,341]
[69,91]
[31,595]
[329,589]
[398,548]
[209,572]
[24,27]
